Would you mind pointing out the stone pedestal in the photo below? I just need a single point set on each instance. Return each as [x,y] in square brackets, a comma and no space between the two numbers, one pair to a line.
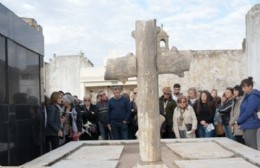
[253,43]
[150,165]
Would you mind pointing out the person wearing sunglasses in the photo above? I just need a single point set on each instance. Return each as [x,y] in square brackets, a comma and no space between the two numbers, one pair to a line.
[184,119]
[102,116]
[89,116]
[167,106]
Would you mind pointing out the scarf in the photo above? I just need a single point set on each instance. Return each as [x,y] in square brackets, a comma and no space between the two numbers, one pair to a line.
[181,117]
[73,115]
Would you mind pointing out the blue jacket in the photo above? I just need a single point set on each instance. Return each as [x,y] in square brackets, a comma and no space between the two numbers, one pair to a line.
[118,109]
[53,120]
[249,106]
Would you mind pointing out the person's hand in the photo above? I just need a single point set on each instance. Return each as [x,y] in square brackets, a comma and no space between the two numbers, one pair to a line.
[60,133]
[193,131]
[109,127]
[202,122]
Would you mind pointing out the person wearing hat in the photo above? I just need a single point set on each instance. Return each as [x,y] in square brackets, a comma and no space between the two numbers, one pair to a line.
[166,107]
[234,114]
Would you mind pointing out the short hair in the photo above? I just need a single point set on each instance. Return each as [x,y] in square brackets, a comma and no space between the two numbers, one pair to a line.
[116,88]
[180,98]
[176,85]
[247,82]
[69,98]
[193,89]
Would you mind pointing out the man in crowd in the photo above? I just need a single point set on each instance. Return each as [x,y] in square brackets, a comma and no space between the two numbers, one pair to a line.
[102,114]
[118,115]
[176,91]
[167,106]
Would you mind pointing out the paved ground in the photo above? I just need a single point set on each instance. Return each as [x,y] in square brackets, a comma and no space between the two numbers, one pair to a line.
[130,156]
[184,153]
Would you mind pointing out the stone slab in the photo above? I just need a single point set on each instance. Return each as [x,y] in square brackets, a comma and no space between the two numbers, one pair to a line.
[92,156]
[215,163]
[96,153]
[199,150]
[241,150]
[85,164]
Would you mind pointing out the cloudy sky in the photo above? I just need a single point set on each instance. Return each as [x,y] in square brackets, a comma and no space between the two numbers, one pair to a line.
[102,28]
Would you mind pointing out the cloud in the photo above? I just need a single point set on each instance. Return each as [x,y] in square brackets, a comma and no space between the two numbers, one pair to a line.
[101,28]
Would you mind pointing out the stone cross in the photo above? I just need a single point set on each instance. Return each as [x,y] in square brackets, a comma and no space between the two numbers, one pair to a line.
[146,65]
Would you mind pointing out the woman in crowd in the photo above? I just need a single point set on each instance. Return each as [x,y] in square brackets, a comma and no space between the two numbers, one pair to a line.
[205,111]
[248,120]
[73,119]
[192,96]
[184,119]
[225,110]
[89,116]
[234,114]
[215,97]
[217,119]
[53,127]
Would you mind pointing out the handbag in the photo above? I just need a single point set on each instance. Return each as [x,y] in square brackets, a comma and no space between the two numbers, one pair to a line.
[188,127]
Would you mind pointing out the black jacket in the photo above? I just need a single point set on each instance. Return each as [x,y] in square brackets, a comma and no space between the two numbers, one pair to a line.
[225,110]
[168,111]
[87,114]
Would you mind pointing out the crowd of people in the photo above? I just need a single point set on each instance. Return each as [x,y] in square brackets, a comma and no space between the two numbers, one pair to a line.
[200,113]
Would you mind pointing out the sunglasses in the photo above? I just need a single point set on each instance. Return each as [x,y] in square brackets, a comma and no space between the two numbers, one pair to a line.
[102,94]
[167,93]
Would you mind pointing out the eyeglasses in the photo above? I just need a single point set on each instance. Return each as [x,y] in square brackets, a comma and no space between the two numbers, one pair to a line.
[86,100]
[102,95]
[183,102]
[167,94]
[135,93]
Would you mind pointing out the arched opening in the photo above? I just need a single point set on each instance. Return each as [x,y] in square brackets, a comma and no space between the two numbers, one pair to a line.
[162,44]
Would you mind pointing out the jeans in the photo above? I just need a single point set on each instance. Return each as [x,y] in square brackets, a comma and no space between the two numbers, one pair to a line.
[228,132]
[202,133]
[104,131]
[119,130]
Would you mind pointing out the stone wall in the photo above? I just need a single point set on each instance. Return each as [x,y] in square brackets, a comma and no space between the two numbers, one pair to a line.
[64,73]
[210,69]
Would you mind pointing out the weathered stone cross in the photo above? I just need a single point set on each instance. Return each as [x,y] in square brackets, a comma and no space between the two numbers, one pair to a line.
[146,65]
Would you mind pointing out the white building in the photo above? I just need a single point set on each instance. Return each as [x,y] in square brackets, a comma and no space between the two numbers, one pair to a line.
[64,73]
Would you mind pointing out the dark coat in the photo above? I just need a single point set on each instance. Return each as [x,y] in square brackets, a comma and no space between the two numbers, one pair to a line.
[205,111]
[225,110]
[53,120]
[87,114]
[168,111]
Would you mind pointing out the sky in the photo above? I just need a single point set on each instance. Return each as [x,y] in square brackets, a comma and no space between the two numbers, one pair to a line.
[102,29]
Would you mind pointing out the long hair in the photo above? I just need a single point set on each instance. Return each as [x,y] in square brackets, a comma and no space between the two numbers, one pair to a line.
[208,102]
[54,97]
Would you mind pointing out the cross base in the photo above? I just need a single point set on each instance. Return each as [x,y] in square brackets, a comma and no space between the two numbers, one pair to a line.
[141,164]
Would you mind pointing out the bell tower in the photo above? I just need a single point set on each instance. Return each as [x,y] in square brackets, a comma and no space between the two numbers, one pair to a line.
[162,41]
